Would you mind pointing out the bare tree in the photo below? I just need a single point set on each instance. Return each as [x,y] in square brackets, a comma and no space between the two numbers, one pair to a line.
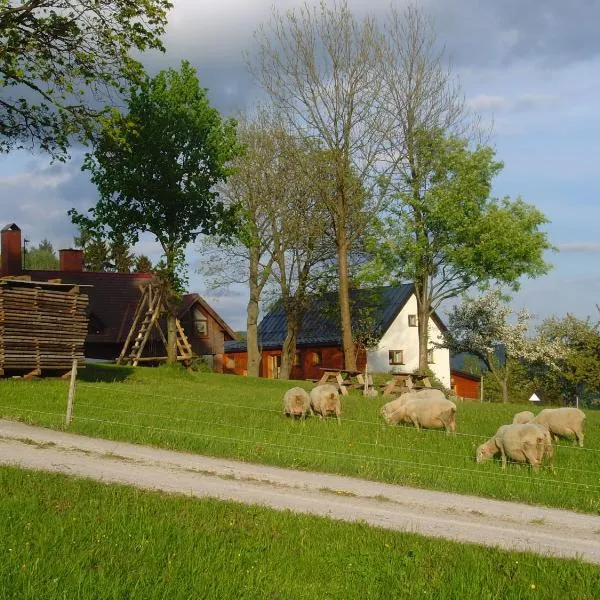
[320,69]
[254,186]
[301,247]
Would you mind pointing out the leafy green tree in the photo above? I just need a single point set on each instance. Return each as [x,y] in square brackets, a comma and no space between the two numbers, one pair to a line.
[61,59]
[42,258]
[95,248]
[142,264]
[121,256]
[445,234]
[157,169]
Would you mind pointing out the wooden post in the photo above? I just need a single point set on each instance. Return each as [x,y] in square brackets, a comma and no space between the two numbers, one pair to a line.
[71,396]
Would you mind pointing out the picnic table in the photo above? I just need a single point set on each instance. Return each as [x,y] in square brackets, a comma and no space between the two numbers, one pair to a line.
[405,382]
[343,377]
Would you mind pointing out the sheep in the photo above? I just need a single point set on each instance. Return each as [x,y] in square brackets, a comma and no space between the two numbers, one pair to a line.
[296,403]
[325,400]
[563,422]
[522,442]
[422,411]
[391,411]
[523,417]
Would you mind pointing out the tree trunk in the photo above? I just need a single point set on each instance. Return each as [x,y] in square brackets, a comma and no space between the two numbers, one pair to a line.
[253,350]
[504,387]
[422,325]
[171,339]
[287,354]
[344,299]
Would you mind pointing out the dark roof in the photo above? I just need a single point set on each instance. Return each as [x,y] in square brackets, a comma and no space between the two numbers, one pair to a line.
[112,299]
[466,363]
[321,325]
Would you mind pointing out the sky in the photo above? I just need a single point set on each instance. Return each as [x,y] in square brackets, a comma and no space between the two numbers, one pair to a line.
[531,68]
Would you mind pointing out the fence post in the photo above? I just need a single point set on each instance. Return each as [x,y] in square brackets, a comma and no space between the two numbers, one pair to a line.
[71,396]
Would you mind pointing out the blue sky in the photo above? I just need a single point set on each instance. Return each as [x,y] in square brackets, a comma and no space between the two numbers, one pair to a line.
[530,67]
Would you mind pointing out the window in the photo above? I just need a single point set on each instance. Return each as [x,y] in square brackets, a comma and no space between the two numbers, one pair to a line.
[412,320]
[200,323]
[430,356]
[316,358]
[396,357]
[297,359]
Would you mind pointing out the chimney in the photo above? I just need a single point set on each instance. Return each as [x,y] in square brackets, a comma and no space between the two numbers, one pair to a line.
[12,253]
[70,259]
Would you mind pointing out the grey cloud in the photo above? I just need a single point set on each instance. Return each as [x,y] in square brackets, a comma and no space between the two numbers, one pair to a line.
[582,247]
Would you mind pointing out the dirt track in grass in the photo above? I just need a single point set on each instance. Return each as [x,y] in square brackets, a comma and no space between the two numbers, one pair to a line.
[437,514]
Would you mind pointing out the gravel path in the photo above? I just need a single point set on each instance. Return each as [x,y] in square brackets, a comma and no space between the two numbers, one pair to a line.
[452,516]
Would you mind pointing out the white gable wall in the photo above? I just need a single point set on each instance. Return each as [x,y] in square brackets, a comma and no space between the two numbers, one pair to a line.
[400,336]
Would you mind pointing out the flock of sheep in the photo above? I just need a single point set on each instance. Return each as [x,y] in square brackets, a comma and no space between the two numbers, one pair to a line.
[528,439]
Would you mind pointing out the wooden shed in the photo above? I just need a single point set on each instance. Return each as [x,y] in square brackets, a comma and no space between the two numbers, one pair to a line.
[43,326]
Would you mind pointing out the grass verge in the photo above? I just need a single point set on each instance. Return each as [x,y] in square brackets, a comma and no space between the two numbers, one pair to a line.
[148,545]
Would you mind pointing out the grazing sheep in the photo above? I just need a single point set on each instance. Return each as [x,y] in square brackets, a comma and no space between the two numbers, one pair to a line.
[325,400]
[391,411]
[563,422]
[523,417]
[296,403]
[421,411]
[521,442]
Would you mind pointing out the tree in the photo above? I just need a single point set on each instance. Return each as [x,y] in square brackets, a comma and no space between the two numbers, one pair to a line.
[156,170]
[42,258]
[142,264]
[121,256]
[320,69]
[60,60]
[480,326]
[445,234]
[299,226]
[579,372]
[95,249]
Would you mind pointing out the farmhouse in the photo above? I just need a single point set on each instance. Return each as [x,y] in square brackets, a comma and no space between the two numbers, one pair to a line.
[113,299]
[389,314]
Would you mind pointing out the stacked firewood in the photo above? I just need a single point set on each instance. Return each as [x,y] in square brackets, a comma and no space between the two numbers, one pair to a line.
[42,326]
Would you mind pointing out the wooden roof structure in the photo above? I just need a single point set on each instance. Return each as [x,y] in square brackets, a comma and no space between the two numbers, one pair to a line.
[43,325]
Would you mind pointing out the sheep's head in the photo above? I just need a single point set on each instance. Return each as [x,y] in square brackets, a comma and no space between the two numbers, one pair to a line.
[485,452]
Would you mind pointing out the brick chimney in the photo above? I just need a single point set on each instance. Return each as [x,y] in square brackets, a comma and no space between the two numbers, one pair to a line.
[70,259]
[12,252]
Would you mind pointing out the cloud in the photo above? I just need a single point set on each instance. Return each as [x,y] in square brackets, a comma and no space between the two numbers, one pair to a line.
[523,102]
[582,247]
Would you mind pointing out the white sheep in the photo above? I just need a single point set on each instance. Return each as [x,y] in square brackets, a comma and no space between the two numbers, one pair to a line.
[521,442]
[296,403]
[563,422]
[422,410]
[523,417]
[325,400]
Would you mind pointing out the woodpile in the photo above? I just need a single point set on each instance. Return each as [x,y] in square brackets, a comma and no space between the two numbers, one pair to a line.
[43,326]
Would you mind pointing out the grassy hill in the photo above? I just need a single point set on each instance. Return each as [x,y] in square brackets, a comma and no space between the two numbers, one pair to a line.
[242,418]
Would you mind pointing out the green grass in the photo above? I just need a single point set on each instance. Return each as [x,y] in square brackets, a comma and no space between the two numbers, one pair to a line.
[145,545]
[242,418]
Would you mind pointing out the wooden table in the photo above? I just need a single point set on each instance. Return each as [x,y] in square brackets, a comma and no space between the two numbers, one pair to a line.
[343,377]
[405,382]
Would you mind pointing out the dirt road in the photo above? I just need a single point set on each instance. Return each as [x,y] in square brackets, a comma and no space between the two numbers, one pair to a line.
[438,514]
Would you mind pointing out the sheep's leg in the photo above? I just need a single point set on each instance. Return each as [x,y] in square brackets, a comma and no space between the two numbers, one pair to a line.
[579,436]
[414,421]
[503,456]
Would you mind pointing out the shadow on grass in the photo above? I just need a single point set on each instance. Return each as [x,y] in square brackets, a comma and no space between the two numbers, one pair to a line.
[95,372]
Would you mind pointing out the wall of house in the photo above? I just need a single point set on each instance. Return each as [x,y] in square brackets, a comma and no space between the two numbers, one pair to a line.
[401,336]
[312,360]
[210,345]
[465,387]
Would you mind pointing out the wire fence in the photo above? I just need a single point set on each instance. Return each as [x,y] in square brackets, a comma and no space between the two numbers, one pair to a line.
[295,434]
